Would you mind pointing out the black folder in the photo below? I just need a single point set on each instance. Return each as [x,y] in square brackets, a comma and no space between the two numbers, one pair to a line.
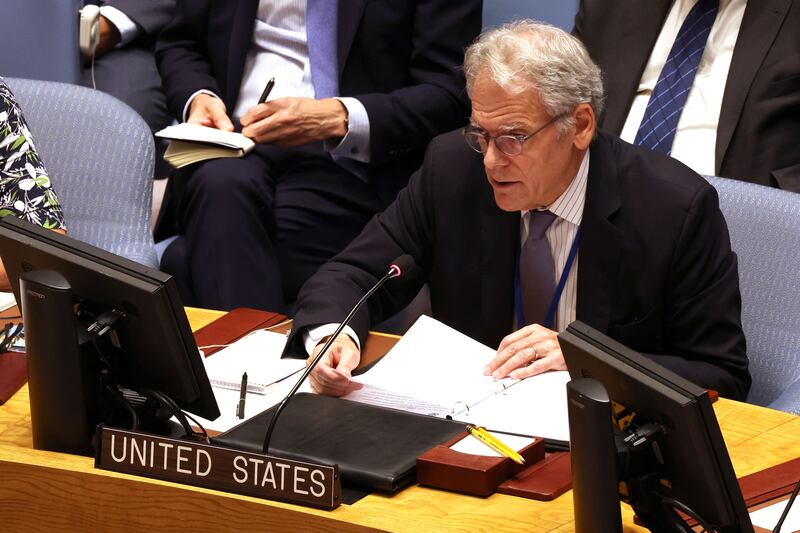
[375,447]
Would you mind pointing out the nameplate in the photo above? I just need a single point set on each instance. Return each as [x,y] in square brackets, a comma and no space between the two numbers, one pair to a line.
[215,467]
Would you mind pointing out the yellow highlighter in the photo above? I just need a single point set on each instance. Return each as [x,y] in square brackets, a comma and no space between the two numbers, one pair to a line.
[494,443]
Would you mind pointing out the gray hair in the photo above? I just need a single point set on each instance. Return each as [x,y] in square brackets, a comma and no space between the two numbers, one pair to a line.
[530,54]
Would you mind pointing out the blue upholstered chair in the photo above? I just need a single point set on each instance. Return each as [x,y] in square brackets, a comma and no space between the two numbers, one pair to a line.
[560,13]
[764,224]
[39,40]
[100,156]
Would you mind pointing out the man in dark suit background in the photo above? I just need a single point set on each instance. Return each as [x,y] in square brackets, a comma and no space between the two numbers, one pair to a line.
[360,89]
[742,118]
[124,61]
[654,268]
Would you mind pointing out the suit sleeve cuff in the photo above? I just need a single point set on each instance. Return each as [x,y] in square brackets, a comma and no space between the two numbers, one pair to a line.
[128,30]
[355,144]
[312,336]
[185,114]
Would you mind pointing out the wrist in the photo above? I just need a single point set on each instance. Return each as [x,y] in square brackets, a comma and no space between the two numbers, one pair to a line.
[339,118]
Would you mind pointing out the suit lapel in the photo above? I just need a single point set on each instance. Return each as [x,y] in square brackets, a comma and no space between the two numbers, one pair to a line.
[639,26]
[760,25]
[499,239]
[350,12]
[241,36]
[601,241]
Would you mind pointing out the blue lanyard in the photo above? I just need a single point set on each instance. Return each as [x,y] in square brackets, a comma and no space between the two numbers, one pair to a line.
[551,310]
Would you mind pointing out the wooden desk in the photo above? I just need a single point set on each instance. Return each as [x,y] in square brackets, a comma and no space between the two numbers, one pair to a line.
[46,491]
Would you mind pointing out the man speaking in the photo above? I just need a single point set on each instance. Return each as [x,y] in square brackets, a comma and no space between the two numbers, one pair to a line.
[529,219]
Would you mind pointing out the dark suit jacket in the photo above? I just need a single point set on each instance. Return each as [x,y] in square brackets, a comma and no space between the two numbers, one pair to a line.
[400,59]
[760,120]
[655,267]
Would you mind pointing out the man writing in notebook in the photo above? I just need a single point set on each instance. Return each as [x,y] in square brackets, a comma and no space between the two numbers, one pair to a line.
[529,219]
[360,89]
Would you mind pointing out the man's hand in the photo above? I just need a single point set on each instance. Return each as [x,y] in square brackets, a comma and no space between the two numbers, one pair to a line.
[332,375]
[207,110]
[526,352]
[288,122]
[109,37]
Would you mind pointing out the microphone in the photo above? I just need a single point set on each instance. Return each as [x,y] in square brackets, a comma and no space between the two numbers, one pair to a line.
[399,266]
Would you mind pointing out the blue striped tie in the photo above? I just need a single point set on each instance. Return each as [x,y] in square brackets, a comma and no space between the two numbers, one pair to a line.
[321,28]
[657,130]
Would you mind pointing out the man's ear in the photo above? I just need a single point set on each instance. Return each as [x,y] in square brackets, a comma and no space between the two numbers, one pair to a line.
[585,126]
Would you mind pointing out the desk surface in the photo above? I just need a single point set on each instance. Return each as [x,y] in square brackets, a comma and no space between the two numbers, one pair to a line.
[46,491]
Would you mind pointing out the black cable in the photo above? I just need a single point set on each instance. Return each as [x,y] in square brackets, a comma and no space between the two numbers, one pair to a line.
[122,401]
[675,504]
[178,413]
[786,510]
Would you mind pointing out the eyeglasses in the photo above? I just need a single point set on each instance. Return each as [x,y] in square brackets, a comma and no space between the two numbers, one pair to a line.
[511,145]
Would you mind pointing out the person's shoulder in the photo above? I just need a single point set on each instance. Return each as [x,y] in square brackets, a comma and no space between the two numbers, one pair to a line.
[449,151]
[653,175]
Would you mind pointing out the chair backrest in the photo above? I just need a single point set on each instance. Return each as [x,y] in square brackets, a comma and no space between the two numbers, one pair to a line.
[560,13]
[39,40]
[100,156]
[764,224]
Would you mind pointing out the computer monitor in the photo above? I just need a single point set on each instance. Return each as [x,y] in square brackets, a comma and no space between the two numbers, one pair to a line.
[668,444]
[73,292]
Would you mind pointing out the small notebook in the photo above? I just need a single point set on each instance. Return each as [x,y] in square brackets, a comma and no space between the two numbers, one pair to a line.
[191,143]
[258,354]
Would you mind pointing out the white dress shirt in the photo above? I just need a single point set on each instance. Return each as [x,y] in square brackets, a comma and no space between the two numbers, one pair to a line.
[279,49]
[696,136]
[560,235]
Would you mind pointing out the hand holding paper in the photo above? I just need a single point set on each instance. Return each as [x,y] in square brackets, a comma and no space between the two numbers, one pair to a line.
[332,376]
[209,111]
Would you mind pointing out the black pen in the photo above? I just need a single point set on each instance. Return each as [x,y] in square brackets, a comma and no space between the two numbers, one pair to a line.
[267,90]
[242,396]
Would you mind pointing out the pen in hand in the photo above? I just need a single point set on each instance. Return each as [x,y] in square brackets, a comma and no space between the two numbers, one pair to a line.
[267,90]
[242,397]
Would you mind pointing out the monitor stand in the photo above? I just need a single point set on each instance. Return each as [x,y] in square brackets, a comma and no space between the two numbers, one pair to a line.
[595,492]
[55,377]
[71,370]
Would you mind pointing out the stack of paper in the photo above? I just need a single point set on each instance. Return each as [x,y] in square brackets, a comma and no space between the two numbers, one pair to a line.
[436,370]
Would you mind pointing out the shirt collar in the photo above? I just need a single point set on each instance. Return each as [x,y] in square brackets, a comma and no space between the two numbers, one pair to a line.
[569,206]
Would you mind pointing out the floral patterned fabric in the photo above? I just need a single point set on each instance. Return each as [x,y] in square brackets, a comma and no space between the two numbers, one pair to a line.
[25,189]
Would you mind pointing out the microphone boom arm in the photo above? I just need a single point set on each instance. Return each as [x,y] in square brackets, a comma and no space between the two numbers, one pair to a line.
[394,271]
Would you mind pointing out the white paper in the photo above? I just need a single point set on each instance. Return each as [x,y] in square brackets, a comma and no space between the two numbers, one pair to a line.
[228,401]
[535,406]
[436,370]
[7,300]
[768,517]
[435,362]
[258,354]
[475,446]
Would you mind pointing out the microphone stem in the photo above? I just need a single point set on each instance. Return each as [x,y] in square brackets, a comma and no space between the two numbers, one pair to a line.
[392,273]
